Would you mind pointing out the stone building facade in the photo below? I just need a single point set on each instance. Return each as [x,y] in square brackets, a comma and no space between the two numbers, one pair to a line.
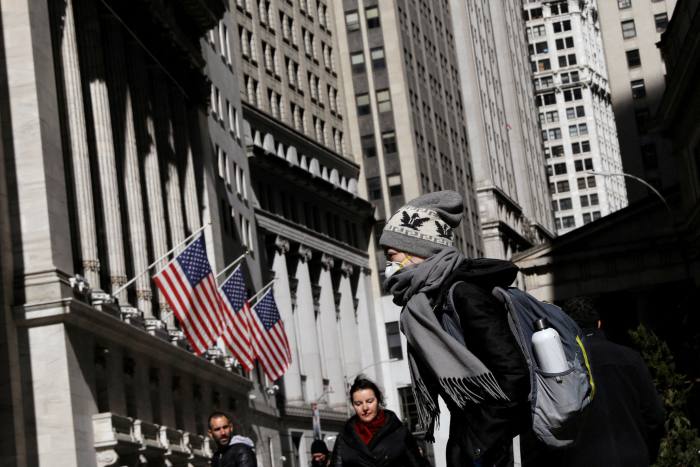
[123,133]
[578,124]
[631,31]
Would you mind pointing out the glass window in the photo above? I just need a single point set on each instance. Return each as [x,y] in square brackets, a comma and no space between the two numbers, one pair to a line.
[362,104]
[389,142]
[586,218]
[383,101]
[633,58]
[372,15]
[352,21]
[409,409]
[584,201]
[661,21]
[622,4]
[628,29]
[560,169]
[565,203]
[638,89]
[393,338]
[541,48]
[357,60]
[378,61]
[563,186]
[374,188]
[394,182]
[557,151]
[591,181]
[594,199]
[369,149]
[568,222]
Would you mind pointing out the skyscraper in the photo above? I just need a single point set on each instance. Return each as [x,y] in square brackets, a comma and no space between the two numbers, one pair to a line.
[502,128]
[631,30]
[578,125]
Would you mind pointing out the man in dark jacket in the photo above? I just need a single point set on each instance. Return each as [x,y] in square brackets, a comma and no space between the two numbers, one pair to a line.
[459,342]
[319,454]
[231,451]
[624,423]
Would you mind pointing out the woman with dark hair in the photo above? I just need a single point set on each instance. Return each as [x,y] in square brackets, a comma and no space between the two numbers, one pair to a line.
[374,436]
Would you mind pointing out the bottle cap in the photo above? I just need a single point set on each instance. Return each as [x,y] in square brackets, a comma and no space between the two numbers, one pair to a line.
[541,324]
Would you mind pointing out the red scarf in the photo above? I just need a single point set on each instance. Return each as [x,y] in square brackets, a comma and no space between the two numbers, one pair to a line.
[367,430]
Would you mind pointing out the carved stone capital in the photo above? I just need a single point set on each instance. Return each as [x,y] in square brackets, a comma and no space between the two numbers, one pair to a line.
[144,294]
[327,262]
[107,458]
[91,265]
[305,253]
[118,281]
[347,269]
[282,245]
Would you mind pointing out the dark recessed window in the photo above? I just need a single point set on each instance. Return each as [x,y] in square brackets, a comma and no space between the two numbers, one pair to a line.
[622,4]
[372,15]
[352,21]
[633,58]
[374,188]
[393,339]
[638,89]
[357,60]
[362,101]
[661,21]
[628,29]
[377,57]
[369,149]
[389,142]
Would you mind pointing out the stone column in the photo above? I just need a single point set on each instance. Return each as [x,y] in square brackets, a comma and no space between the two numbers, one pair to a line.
[310,359]
[124,119]
[80,156]
[146,137]
[165,140]
[329,336]
[285,305]
[369,319]
[94,67]
[183,148]
[347,324]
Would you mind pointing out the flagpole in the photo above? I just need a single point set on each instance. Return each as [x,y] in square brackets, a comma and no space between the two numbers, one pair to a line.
[160,259]
[263,290]
[235,262]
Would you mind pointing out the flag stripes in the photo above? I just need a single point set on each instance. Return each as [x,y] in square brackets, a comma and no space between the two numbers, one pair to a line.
[236,332]
[269,338]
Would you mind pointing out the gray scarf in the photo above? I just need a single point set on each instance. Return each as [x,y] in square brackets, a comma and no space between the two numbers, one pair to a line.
[439,363]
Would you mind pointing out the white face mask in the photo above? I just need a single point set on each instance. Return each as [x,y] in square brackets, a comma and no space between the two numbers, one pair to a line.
[392,267]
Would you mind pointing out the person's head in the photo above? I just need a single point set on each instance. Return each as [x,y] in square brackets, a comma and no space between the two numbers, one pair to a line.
[366,398]
[584,312]
[220,428]
[319,452]
[422,227]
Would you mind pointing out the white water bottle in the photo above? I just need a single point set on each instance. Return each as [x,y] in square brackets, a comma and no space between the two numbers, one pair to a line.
[548,348]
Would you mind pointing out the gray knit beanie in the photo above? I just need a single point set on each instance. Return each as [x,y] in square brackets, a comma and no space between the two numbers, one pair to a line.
[424,225]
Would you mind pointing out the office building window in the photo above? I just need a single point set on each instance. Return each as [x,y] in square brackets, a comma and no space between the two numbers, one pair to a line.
[564,43]
[409,409]
[565,204]
[562,186]
[661,21]
[638,89]
[560,169]
[383,101]
[357,60]
[352,21]
[633,58]
[377,56]
[372,15]
[362,101]
[568,222]
[393,338]
[374,188]
[369,149]
[628,29]
[586,218]
[622,4]
[389,142]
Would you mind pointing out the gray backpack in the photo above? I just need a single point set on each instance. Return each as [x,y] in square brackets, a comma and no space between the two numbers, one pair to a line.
[557,400]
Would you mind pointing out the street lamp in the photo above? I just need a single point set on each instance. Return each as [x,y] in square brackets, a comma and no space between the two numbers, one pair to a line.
[633,177]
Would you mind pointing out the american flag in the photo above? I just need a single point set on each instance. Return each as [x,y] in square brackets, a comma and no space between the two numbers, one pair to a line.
[189,286]
[269,339]
[236,314]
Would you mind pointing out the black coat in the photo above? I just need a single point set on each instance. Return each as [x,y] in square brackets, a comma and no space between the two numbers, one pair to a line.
[392,446]
[484,431]
[235,455]
[624,423]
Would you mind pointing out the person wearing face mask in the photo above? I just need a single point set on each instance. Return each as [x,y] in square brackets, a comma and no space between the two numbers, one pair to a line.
[319,454]
[460,346]
[374,436]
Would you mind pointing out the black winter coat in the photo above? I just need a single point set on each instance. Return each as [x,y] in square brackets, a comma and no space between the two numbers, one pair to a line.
[485,431]
[392,446]
[235,455]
